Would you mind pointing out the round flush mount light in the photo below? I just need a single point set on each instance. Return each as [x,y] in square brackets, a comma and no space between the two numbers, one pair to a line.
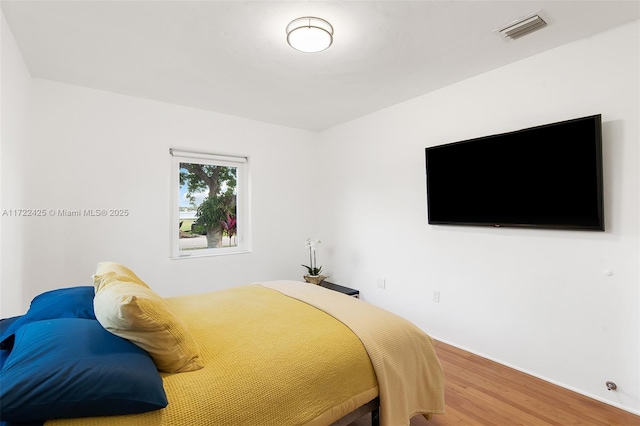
[309,34]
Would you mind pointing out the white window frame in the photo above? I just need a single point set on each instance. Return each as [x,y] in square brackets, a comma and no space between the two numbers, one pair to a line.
[242,202]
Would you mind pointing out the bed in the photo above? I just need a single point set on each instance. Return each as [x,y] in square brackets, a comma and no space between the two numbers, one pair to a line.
[271,353]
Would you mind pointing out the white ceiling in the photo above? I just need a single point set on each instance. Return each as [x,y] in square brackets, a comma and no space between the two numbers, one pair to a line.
[232,57]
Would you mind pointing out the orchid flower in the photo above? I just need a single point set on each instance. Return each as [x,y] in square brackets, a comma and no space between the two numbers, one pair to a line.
[312,246]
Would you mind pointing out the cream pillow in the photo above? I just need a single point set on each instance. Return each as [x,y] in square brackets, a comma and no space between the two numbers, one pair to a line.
[125,306]
[107,272]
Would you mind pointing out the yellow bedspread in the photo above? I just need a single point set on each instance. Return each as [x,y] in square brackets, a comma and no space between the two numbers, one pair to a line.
[409,374]
[269,360]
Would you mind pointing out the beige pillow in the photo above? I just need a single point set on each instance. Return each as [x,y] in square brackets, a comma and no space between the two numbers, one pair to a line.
[125,306]
[107,272]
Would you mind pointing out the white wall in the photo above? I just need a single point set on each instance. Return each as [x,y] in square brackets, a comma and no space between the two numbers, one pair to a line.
[90,149]
[534,299]
[15,83]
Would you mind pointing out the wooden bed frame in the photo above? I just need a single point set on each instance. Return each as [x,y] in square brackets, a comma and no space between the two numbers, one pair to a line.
[372,407]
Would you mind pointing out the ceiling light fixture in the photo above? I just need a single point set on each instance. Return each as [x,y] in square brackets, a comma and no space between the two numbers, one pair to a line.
[309,34]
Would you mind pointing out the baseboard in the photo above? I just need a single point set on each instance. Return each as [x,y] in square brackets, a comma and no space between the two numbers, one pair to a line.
[546,379]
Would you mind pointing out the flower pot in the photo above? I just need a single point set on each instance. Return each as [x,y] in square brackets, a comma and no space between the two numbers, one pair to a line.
[314,279]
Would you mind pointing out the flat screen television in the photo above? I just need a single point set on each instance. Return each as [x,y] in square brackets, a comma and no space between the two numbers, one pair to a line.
[547,176]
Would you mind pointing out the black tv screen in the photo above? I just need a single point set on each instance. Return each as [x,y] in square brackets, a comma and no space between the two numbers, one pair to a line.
[548,176]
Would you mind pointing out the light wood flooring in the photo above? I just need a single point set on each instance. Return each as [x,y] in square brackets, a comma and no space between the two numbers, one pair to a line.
[482,392]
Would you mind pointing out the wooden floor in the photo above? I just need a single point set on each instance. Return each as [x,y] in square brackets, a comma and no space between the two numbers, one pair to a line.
[482,392]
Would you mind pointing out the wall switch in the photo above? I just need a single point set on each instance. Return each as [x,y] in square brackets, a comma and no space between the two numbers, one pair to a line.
[436,296]
[381,283]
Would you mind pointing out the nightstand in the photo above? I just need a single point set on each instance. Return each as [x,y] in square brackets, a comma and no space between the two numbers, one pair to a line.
[344,290]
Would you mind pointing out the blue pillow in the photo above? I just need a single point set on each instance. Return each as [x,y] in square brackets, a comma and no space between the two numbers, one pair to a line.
[4,324]
[72,367]
[73,302]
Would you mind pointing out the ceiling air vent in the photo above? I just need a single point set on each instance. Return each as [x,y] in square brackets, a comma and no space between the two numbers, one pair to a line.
[522,27]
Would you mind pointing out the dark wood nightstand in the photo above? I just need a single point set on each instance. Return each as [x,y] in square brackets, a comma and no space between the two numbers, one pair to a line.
[344,290]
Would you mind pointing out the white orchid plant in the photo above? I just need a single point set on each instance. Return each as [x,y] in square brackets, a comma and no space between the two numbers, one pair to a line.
[312,246]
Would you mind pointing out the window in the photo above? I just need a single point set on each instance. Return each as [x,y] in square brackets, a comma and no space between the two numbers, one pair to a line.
[210,204]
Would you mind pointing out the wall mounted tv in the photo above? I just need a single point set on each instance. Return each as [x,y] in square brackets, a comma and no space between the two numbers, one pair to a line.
[548,176]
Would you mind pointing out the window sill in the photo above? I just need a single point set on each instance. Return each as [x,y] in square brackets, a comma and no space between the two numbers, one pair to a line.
[210,253]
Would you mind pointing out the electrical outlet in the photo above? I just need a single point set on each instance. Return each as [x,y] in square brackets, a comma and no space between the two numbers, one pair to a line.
[381,283]
[436,296]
